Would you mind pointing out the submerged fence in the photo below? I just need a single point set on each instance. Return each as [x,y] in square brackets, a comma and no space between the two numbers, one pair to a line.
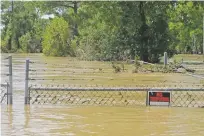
[68,94]
[180,97]
[4,93]
[7,87]
[62,91]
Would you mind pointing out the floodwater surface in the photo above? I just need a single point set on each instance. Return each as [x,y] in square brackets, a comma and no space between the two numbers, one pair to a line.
[52,120]
[101,121]
[66,71]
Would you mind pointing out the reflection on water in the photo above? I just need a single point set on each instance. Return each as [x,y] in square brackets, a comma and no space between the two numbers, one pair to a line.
[86,121]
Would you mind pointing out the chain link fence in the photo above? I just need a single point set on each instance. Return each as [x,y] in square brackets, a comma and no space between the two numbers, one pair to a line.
[6,78]
[188,98]
[87,83]
[85,96]
[4,93]
[112,96]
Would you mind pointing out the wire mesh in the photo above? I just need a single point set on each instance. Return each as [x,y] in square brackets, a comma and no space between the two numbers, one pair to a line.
[4,92]
[188,98]
[88,97]
[112,96]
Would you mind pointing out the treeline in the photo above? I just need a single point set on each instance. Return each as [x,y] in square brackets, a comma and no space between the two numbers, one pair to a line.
[115,30]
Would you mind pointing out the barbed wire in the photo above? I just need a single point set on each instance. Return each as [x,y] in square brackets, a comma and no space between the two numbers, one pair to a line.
[108,78]
[64,65]
[55,79]
[69,60]
[197,86]
[75,67]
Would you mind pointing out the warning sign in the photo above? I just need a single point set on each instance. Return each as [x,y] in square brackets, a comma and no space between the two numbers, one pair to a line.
[159,98]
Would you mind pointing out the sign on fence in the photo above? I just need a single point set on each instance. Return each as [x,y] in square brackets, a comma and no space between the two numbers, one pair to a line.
[159,98]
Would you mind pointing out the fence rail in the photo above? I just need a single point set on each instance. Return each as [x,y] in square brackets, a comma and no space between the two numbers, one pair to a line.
[115,89]
[180,97]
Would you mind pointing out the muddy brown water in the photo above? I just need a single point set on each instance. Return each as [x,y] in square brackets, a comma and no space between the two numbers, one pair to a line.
[101,121]
[52,120]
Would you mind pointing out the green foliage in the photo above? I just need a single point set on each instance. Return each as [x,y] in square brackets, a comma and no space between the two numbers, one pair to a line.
[97,29]
[55,39]
[3,47]
[20,20]
[114,30]
[116,67]
[137,65]
[143,29]
[185,23]
[25,42]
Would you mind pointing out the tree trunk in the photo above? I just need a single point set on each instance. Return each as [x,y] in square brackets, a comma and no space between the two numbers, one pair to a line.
[75,24]
[144,36]
[9,44]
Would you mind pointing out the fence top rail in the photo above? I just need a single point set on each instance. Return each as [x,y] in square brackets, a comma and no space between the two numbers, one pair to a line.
[114,89]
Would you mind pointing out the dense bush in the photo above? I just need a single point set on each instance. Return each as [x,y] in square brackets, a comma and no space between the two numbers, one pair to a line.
[55,39]
[25,42]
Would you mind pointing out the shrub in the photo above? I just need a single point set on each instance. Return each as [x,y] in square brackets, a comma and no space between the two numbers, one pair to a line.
[116,68]
[55,39]
[25,42]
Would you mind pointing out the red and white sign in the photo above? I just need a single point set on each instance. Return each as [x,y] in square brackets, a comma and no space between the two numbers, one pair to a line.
[159,98]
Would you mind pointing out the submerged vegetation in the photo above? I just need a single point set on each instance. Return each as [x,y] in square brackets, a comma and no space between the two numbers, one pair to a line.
[144,67]
[114,30]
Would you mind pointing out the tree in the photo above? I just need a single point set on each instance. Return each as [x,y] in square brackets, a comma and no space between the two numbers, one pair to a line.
[55,39]
[66,9]
[114,30]
[144,30]
[185,23]
[98,24]
[20,18]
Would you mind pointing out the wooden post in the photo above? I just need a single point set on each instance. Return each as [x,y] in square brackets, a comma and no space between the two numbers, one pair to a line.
[10,89]
[27,99]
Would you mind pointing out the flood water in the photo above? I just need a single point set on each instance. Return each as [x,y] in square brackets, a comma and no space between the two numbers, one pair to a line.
[52,120]
[101,121]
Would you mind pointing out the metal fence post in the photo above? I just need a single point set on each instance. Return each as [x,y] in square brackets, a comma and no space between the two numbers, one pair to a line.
[147,97]
[10,90]
[7,91]
[27,99]
[165,59]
